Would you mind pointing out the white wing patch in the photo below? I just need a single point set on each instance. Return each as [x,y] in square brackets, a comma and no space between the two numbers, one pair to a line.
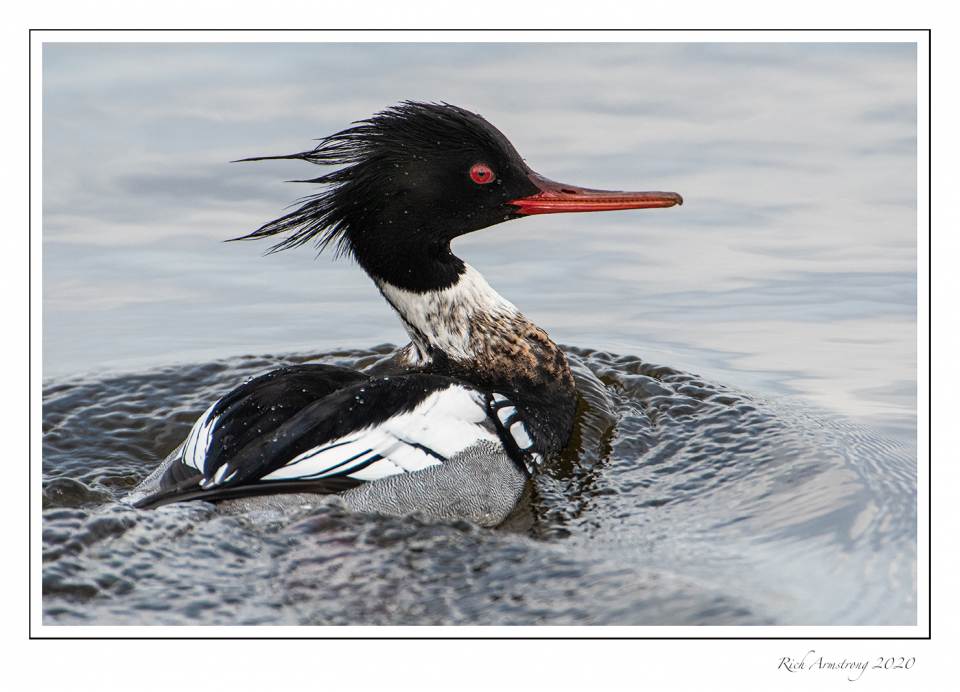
[198,441]
[444,423]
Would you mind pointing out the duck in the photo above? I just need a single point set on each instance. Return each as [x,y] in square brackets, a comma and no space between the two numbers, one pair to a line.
[453,425]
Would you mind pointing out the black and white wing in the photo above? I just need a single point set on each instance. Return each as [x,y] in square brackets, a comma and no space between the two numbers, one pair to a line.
[366,430]
[446,421]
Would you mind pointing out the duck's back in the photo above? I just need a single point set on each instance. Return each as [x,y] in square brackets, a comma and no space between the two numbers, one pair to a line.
[391,443]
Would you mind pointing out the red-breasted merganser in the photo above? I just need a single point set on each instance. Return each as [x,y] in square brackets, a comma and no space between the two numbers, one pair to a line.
[460,418]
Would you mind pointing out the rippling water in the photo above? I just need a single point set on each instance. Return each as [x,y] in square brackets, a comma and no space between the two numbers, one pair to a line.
[677,502]
[789,276]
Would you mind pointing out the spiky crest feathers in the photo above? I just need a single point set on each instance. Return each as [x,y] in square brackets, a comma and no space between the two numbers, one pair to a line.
[365,153]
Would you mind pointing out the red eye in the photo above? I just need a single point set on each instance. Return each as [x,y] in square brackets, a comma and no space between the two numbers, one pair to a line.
[481,174]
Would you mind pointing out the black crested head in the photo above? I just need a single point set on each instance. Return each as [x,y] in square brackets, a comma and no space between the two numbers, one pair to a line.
[411,178]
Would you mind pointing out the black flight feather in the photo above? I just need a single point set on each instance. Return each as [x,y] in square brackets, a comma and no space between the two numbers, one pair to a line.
[321,486]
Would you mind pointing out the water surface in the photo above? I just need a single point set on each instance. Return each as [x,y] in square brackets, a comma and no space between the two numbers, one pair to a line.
[677,502]
[787,281]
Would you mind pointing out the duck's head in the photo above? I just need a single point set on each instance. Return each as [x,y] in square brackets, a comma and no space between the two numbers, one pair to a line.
[414,177]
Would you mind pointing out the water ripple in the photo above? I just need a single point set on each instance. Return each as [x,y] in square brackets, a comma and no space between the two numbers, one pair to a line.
[677,501]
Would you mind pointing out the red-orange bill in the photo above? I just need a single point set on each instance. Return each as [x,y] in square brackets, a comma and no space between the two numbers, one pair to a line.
[556,198]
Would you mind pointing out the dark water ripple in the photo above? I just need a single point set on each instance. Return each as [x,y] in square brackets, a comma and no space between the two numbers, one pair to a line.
[678,501]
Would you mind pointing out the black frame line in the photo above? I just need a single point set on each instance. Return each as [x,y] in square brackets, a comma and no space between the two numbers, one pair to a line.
[927,637]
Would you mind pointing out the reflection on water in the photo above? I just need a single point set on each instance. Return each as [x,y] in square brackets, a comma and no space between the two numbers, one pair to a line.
[676,502]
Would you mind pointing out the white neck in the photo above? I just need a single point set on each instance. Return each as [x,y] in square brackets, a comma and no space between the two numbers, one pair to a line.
[455,320]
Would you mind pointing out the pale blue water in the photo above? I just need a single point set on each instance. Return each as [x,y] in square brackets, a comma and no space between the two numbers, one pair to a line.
[789,274]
